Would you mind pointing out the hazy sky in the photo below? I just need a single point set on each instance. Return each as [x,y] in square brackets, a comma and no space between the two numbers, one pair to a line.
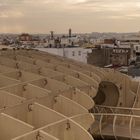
[41,16]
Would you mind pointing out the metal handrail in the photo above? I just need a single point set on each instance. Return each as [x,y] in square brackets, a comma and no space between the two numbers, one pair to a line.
[121,108]
[114,119]
[130,128]
[118,110]
[100,126]
[114,123]
[136,97]
[119,115]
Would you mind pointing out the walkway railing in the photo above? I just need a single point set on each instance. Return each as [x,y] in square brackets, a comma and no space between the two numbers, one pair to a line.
[117,125]
[116,110]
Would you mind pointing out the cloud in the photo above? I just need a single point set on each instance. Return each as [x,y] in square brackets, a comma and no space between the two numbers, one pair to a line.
[81,15]
[109,5]
[11,14]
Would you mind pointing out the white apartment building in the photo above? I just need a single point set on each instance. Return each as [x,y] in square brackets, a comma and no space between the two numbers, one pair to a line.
[137,48]
[77,53]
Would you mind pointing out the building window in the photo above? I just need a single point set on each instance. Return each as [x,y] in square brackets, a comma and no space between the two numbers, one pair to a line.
[79,53]
[137,48]
[73,53]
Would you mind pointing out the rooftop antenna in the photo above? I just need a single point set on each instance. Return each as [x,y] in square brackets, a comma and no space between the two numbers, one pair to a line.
[70,33]
[52,34]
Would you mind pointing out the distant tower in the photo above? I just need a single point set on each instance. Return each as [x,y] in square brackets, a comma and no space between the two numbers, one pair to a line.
[52,34]
[70,32]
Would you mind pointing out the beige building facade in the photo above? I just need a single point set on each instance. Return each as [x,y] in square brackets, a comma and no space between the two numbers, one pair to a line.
[47,97]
